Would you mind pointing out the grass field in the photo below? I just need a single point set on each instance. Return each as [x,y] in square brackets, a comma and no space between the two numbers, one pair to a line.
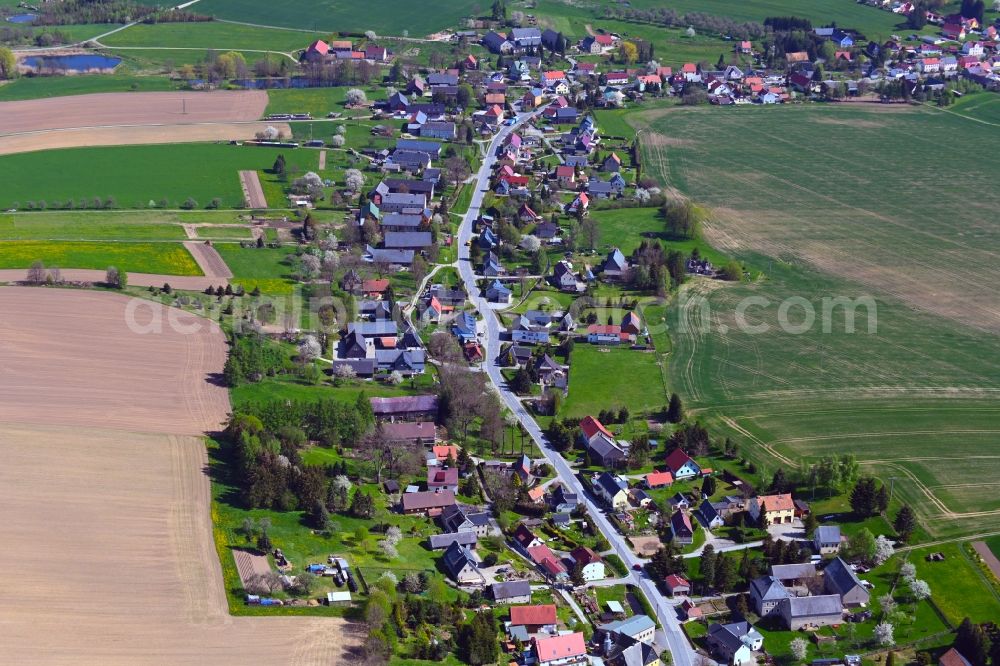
[983,106]
[915,398]
[136,175]
[957,586]
[266,268]
[317,101]
[60,86]
[391,17]
[874,23]
[626,228]
[603,378]
[212,35]
[81,226]
[166,258]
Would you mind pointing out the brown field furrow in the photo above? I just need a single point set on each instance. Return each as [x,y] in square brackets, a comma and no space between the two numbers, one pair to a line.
[148,108]
[185,282]
[128,136]
[104,498]
[209,260]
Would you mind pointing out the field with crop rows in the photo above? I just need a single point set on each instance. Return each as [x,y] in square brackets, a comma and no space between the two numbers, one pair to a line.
[912,390]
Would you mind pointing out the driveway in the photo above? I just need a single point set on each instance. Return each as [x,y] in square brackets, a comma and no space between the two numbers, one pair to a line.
[793,531]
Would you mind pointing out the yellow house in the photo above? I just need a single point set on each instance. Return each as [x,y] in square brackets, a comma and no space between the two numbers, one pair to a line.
[773,509]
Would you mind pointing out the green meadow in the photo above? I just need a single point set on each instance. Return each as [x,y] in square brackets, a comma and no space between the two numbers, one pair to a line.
[135,176]
[215,35]
[913,394]
[606,378]
[165,258]
[61,86]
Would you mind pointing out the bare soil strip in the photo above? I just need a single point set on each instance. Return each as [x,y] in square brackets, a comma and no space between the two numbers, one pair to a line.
[183,282]
[322,160]
[252,191]
[104,109]
[249,565]
[131,135]
[991,560]
[209,260]
[105,507]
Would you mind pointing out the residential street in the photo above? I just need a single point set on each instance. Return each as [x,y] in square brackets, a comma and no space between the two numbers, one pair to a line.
[671,637]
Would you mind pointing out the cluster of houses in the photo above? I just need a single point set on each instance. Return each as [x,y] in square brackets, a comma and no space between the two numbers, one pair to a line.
[801,596]
[321,51]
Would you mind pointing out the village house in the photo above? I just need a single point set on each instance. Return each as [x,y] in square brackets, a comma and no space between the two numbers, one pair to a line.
[681,529]
[591,563]
[538,619]
[839,578]
[560,650]
[603,448]
[826,539]
[638,628]
[461,565]
[418,432]
[655,480]
[734,643]
[514,592]
[442,478]
[677,585]
[405,408]
[548,562]
[772,509]
[767,593]
[813,611]
[607,334]
[681,465]
[429,502]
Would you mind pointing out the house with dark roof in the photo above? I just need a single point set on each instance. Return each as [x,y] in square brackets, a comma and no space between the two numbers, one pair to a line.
[525,538]
[623,650]
[614,265]
[767,593]
[514,592]
[734,643]
[839,578]
[498,293]
[427,502]
[708,516]
[794,574]
[461,565]
[443,541]
[638,627]
[681,529]
[826,539]
[591,563]
[612,489]
[418,432]
[496,43]
[405,408]
[813,611]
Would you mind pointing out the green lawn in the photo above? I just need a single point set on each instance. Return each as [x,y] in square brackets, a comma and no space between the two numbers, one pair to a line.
[84,226]
[213,35]
[626,228]
[957,586]
[59,86]
[917,383]
[267,268]
[136,175]
[605,378]
[166,258]
[383,16]
[983,106]
[317,101]
[288,388]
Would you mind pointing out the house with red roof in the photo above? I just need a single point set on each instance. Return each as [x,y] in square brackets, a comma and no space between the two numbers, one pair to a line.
[605,41]
[470,62]
[585,68]
[560,650]
[566,175]
[745,47]
[317,49]
[536,495]
[526,214]
[592,566]
[631,323]
[540,618]
[677,585]
[525,538]
[442,478]
[374,288]
[617,78]
[582,201]
[954,31]
[548,561]
[681,465]
[607,334]
[664,73]
[690,72]
[772,509]
[655,480]
[443,452]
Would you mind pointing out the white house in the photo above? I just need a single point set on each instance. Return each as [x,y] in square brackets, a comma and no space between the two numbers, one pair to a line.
[592,565]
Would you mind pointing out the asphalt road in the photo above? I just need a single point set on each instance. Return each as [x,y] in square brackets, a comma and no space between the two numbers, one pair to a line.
[671,637]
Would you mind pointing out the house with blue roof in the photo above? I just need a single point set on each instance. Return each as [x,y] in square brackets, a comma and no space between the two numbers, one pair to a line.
[463,327]
[498,293]
[492,266]
[488,240]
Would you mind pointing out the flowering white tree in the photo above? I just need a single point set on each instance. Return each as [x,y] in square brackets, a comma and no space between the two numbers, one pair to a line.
[531,243]
[310,266]
[652,66]
[883,549]
[908,571]
[370,35]
[337,141]
[341,130]
[388,549]
[799,647]
[356,96]
[394,534]
[887,604]
[345,372]
[341,482]
[641,195]
[920,589]
[310,184]
[354,180]
[883,634]
[309,348]
[690,32]
[395,378]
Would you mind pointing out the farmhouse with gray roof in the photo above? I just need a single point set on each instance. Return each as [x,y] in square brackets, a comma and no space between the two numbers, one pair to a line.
[839,578]
[819,611]
[767,593]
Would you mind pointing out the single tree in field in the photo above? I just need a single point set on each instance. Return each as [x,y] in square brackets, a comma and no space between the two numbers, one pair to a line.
[798,648]
[37,273]
[675,410]
[905,522]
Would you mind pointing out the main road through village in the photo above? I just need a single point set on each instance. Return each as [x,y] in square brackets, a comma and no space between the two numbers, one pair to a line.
[670,637]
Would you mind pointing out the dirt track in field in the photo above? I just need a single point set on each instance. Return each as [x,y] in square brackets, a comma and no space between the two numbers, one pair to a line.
[209,260]
[253,193]
[104,497]
[151,108]
[130,136]
[988,557]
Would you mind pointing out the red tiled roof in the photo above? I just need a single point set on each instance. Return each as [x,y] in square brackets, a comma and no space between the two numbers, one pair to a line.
[604,40]
[953,658]
[560,647]
[677,459]
[776,502]
[584,555]
[540,614]
[442,477]
[554,76]
[319,46]
[375,285]
[442,452]
[563,171]
[604,329]
[654,479]
[689,68]
[674,581]
[592,426]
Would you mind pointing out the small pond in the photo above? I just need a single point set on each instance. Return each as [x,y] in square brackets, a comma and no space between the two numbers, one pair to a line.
[22,18]
[72,63]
